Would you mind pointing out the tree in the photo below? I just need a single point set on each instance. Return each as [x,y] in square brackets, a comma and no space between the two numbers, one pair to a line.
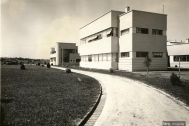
[147,63]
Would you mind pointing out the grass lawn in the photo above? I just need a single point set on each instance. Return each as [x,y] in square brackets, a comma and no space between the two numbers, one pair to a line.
[42,96]
[157,79]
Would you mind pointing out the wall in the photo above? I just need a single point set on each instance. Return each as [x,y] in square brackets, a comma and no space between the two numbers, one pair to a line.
[149,42]
[99,65]
[149,20]
[98,25]
[106,21]
[105,45]
[178,49]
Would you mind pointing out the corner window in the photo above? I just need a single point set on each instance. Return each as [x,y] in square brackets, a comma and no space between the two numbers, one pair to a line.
[141,54]
[157,32]
[125,54]
[126,31]
[142,30]
[157,54]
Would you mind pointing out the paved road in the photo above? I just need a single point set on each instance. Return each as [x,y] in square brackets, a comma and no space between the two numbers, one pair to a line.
[132,103]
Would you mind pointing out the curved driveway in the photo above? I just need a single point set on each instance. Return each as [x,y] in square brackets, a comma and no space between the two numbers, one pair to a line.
[132,103]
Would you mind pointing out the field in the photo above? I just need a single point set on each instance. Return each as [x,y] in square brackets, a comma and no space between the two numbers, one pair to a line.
[42,96]
[157,79]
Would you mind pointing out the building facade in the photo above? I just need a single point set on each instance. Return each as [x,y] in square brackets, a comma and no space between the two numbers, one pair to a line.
[99,42]
[142,34]
[178,50]
[64,54]
[122,40]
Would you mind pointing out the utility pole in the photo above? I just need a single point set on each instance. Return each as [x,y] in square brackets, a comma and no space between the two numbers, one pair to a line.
[179,67]
[163,9]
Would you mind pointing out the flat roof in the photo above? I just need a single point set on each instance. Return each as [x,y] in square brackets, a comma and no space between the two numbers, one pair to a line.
[142,11]
[100,17]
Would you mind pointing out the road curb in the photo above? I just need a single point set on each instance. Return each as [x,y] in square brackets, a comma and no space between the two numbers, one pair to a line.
[90,112]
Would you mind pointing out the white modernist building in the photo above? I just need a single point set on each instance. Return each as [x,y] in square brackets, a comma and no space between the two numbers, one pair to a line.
[64,54]
[122,40]
[178,50]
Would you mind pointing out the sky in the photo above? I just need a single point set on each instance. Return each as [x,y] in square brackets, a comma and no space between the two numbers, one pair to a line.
[29,28]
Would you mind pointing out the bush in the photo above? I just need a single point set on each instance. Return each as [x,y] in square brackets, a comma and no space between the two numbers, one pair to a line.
[22,67]
[20,63]
[111,70]
[48,65]
[68,70]
[42,65]
[38,64]
[51,64]
[175,80]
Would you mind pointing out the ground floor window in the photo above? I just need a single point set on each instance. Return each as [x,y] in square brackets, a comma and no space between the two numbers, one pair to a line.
[157,54]
[90,58]
[141,54]
[183,58]
[124,54]
[78,60]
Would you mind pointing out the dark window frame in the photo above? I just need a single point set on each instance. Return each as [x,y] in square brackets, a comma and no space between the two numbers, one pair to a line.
[125,54]
[183,58]
[157,56]
[157,32]
[142,30]
[141,54]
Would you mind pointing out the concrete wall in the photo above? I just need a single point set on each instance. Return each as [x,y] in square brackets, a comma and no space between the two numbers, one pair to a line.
[99,65]
[105,45]
[134,42]
[178,49]
[149,20]
[126,21]
[106,21]
[147,42]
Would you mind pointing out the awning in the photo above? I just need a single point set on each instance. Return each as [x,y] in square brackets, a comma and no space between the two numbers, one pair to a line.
[109,31]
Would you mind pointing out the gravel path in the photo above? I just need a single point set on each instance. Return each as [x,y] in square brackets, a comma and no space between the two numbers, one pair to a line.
[132,103]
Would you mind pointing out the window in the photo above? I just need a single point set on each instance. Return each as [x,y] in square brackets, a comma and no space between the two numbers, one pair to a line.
[125,54]
[141,54]
[90,58]
[157,32]
[183,58]
[142,30]
[126,31]
[157,54]
[78,60]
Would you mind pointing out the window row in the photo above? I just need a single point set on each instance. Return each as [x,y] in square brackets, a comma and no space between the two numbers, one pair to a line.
[143,54]
[183,58]
[100,57]
[106,33]
[143,31]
